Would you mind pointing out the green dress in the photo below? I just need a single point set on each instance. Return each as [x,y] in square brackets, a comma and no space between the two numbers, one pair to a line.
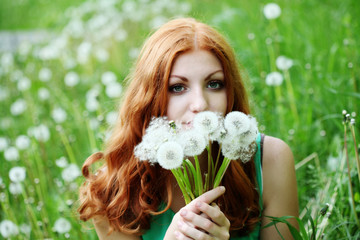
[160,223]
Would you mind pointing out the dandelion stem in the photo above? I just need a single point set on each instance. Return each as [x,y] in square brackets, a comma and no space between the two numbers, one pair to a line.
[356,150]
[291,95]
[349,176]
[67,147]
[198,176]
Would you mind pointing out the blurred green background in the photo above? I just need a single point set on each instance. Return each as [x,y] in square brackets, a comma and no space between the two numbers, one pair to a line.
[60,89]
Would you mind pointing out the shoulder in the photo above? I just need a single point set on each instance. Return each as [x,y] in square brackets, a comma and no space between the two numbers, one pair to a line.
[102,229]
[276,150]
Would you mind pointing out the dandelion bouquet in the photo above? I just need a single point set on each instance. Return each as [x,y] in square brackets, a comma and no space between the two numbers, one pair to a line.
[171,146]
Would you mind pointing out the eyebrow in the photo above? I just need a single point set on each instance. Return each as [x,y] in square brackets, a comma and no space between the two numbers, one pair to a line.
[186,80]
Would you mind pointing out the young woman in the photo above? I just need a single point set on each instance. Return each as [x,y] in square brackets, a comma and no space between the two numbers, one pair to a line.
[184,68]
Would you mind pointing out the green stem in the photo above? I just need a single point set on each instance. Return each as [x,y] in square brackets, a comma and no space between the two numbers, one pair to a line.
[198,179]
[356,150]
[220,174]
[181,185]
[291,96]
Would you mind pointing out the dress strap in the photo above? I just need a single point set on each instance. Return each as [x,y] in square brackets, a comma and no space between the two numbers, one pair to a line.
[261,146]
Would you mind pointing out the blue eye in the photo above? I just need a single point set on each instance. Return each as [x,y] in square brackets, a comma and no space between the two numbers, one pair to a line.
[216,84]
[176,88]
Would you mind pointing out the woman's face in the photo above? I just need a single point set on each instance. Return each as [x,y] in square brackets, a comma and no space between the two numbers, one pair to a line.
[196,84]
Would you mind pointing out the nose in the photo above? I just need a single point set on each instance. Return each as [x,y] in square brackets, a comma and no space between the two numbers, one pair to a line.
[198,101]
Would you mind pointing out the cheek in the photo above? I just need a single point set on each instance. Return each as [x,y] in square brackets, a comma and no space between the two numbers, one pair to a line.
[173,108]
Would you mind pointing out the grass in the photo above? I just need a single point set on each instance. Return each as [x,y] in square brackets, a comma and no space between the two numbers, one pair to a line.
[305,110]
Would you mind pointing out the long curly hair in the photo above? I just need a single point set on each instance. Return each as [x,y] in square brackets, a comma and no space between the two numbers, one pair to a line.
[123,190]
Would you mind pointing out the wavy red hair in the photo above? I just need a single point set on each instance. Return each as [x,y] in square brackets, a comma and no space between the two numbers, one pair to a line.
[124,191]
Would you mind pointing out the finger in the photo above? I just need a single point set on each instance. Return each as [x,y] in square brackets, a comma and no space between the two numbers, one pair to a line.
[180,236]
[191,232]
[207,197]
[214,213]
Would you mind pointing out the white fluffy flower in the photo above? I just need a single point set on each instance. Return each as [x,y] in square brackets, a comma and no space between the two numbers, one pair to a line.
[4,93]
[18,107]
[62,225]
[23,84]
[274,79]
[25,228]
[111,117]
[192,141]
[3,143]
[170,155]
[45,74]
[206,122]
[17,174]
[236,123]
[101,54]
[83,52]
[92,104]
[113,90]
[11,154]
[71,79]
[15,188]
[283,63]
[272,11]
[61,162]
[108,77]
[40,133]
[59,115]
[70,173]
[43,94]
[8,229]
[22,142]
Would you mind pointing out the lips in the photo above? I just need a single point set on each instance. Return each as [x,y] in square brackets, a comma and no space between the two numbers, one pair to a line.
[187,125]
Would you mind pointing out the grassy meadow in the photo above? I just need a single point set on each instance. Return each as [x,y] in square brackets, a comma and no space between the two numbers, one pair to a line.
[59,100]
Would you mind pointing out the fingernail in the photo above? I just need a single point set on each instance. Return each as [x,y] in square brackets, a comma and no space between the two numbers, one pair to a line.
[222,188]
[183,212]
[198,204]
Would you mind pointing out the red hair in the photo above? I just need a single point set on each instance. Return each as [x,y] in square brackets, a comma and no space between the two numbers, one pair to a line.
[124,191]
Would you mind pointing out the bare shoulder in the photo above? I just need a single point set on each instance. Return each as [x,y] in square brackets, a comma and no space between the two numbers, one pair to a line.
[102,228]
[276,151]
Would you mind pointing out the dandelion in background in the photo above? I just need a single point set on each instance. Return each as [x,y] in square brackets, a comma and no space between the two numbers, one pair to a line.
[274,79]
[23,84]
[62,226]
[113,90]
[7,61]
[45,74]
[18,107]
[22,142]
[101,54]
[15,188]
[43,94]
[83,52]
[25,229]
[62,162]
[3,93]
[120,35]
[40,133]
[59,115]
[71,79]
[284,63]
[111,118]
[108,77]
[8,229]
[17,174]
[11,154]
[70,173]
[3,144]
[272,11]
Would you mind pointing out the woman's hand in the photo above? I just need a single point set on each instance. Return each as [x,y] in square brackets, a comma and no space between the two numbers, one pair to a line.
[200,219]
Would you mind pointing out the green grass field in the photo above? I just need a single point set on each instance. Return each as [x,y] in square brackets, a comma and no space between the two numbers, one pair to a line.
[59,98]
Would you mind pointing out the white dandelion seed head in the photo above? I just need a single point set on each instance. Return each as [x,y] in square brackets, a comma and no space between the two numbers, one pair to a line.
[62,225]
[11,154]
[70,173]
[4,93]
[83,52]
[23,84]
[43,94]
[111,118]
[71,79]
[3,143]
[146,151]
[274,79]
[45,74]
[234,149]
[92,104]
[206,122]
[18,107]
[8,229]
[120,35]
[332,163]
[17,174]
[25,229]
[236,123]
[170,155]
[59,115]
[113,90]
[22,142]
[41,133]
[284,63]
[61,162]
[108,77]
[192,141]
[15,188]
[101,54]
[272,11]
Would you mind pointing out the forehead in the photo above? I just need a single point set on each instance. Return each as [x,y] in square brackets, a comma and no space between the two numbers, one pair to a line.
[196,60]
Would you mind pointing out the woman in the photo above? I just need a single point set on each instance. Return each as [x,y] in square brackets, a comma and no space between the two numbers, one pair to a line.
[184,68]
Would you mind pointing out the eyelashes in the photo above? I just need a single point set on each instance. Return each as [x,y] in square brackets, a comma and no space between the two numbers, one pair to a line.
[213,85]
